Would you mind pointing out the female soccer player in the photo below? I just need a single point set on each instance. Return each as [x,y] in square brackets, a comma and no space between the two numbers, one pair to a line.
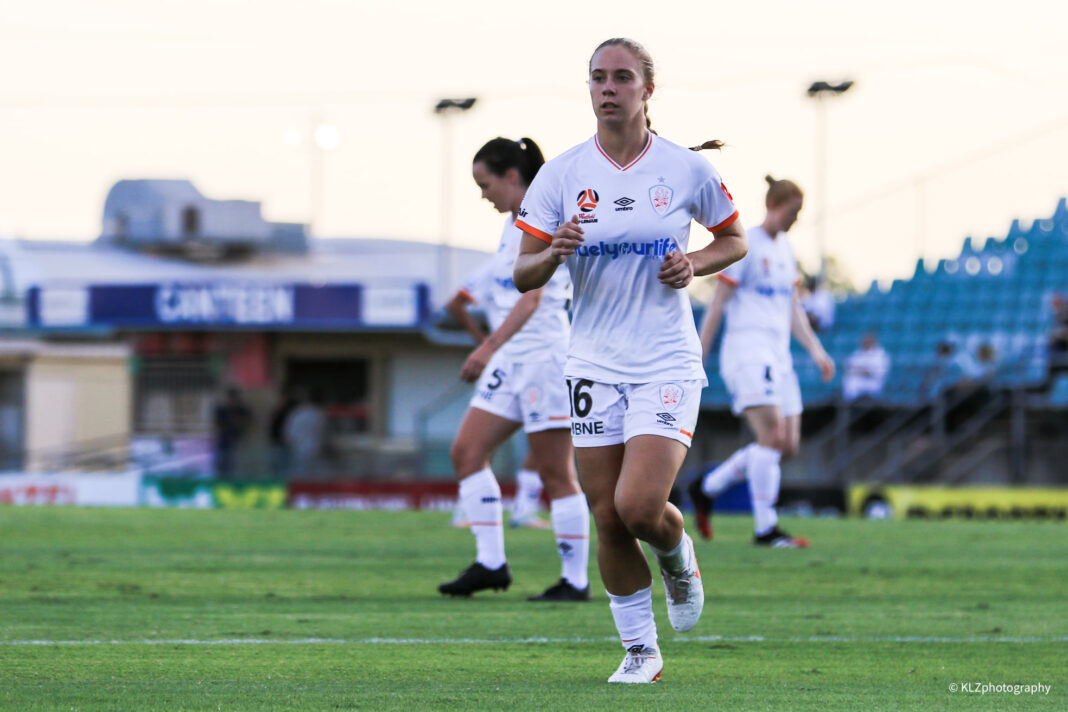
[617,210]
[519,374]
[759,296]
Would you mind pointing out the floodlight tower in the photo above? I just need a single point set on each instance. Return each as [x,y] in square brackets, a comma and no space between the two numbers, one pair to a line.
[820,91]
[446,109]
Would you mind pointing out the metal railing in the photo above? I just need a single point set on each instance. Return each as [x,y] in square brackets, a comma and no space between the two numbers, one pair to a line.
[912,442]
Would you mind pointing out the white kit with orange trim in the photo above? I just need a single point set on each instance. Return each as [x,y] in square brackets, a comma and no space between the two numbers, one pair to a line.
[627,327]
[755,359]
[523,381]
[758,313]
[492,288]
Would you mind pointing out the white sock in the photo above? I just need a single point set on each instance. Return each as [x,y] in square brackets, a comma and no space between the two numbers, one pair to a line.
[677,560]
[481,497]
[571,525]
[527,494]
[764,476]
[729,471]
[634,618]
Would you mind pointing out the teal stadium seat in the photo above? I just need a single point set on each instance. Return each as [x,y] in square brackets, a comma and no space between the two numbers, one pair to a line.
[1007,306]
[1058,395]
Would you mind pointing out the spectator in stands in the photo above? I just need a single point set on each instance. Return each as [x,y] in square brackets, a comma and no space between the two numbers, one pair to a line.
[276,432]
[945,373]
[1058,334]
[984,364]
[818,303]
[231,419]
[865,370]
[971,390]
[305,433]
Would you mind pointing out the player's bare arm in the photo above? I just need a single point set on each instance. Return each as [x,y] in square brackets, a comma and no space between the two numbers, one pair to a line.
[727,247]
[537,260]
[802,330]
[714,316]
[520,314]
[457,308]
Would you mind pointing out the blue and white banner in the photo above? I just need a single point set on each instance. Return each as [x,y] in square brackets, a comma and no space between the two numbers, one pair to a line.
[245,305]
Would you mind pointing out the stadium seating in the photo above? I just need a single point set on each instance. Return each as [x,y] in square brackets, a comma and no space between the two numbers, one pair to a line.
[996,290]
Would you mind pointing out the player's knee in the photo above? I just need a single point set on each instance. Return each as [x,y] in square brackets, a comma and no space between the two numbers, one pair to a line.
[641,517]
[466,458]
[776,439]
[607,522]
[789,449]
[558,479]
[613,534]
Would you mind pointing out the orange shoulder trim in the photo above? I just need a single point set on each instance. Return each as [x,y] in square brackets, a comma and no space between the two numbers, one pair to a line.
[534,232]
[725,278]
[725,223]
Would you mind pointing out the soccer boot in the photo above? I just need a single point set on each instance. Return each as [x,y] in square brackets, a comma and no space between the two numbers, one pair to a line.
[778,539]
[702,507]
[641,665]
[525,512]
[685,593]
[529,521]
[562,591]
[477,577]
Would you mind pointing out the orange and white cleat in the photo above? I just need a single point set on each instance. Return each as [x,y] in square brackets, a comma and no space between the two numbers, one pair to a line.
[641,665]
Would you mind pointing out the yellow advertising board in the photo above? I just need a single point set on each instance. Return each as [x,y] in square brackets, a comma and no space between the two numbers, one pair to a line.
[904,502]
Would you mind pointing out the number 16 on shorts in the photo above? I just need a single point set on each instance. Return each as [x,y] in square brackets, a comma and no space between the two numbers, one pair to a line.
[610,414]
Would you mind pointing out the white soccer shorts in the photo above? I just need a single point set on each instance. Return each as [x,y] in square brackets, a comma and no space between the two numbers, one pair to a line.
[610,414]
[531,393]
[752,384]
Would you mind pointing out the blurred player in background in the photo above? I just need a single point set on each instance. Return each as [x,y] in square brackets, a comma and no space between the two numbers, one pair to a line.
[519,373]
[617,209]
[759,297]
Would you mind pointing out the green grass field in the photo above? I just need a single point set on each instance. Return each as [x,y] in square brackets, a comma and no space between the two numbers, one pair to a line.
[287,610]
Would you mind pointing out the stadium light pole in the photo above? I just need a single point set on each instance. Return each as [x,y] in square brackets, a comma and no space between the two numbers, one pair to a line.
[323,137]
[446,109]
[820,91]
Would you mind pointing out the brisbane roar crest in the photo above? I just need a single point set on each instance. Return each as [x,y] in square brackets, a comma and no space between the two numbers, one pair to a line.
[660,196]
[670,395]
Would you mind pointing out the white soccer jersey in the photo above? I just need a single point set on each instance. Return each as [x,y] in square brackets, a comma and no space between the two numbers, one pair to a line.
[626,326]
[758,314]
[491,286]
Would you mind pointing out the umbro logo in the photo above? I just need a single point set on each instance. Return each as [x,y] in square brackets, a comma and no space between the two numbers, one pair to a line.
[624,204]
[666,416]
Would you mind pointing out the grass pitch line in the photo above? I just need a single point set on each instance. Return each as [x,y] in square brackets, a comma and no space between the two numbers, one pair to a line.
[526,641]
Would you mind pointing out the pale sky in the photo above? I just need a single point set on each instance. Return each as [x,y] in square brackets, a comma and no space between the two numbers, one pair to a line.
[958,121]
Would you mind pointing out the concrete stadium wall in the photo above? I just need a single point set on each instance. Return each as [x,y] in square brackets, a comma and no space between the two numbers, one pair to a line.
[76,395]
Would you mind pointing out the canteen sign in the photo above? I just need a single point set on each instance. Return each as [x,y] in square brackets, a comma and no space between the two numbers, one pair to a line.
[223,304]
